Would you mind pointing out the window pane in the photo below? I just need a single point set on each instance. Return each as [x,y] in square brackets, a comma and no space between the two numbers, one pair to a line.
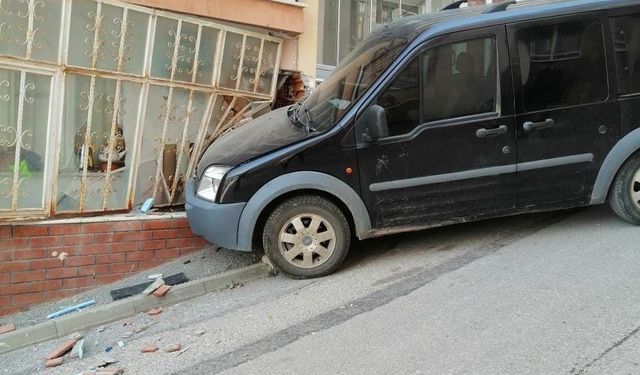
[562,64]
[459,80]
[355,24]
[267,67]
[207,54]
[230,60]
[385,11]
[250,64]
[401,101]
[626,38]
[328,35]
[163,47]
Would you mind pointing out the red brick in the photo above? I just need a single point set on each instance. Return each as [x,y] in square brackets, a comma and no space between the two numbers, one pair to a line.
[61,349]
[65,229]
[28,298]
[180,223]
[125,226]
[62,273]
[99,269]
[77,239]
[145,265]
[11,310]
[157,224]
[30,230]
[172,233]
[5,301]
[29,254]
[178,242]
[78,282]
[167,253]
[14,243]
[107,279]
[123,236]
[83,260]
[42,286]
[6,232]
[123,267]
[15,266]
[110,258]
[5,255]
[152,245]
[49,241]
[96,248]
[14,289]
[123,247]
[39,264]
[19,277]
[96,227]
[140,255]
[5,278]
[199,243]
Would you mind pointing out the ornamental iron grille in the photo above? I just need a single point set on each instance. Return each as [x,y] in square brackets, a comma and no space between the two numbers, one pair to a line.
[105,104]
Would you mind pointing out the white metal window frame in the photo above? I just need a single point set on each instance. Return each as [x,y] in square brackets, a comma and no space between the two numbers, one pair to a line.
[59,70]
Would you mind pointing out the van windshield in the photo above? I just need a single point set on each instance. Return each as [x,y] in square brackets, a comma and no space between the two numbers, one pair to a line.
[360,68]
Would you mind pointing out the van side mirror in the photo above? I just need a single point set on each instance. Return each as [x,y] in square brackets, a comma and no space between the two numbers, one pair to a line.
[372,125]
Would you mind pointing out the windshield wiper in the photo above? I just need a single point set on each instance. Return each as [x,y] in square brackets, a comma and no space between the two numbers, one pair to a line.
[292,113]
[295,115]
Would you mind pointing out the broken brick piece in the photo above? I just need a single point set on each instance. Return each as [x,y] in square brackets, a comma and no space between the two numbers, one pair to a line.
[172,348]
[154,311]
[149,348]
[160,292]
[62,349]
[7,328]
[53,362]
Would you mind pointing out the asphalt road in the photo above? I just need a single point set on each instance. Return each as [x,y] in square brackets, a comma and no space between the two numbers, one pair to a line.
[535,294]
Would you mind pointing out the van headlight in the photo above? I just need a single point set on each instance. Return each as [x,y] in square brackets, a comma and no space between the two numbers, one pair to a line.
[210,182]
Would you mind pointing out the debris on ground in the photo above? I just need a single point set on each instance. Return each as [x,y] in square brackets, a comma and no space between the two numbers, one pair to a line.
[71,309]
[173,348]
[157,283]
[200,332]
[133,290]
[183,350]
[7,328]
[101,328]
[187,261]
[161,291]
[62,349]
[127,334]
[155,276]
[78,350]
[154,311]
[105,361]
[121,344]
[151,348]
[108,348]
[54,362]
[115,371]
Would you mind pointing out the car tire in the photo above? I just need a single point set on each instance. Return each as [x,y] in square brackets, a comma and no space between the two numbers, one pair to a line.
[624,197]
[306,236]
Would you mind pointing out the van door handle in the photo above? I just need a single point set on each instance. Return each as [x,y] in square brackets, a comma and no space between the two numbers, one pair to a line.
[546,124]
[484,133]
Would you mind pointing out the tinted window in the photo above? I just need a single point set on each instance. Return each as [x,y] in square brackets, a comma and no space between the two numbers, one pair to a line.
[455,80]
[401,101]
[459,79]
[626,38]
[562,64]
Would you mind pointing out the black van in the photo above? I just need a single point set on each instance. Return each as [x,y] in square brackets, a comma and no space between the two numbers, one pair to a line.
[444,118]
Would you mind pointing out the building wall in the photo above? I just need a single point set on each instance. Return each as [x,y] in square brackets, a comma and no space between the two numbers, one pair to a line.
[46,261]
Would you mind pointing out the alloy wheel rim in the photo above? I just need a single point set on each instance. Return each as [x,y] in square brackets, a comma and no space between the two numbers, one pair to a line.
[307,241]
[635,189]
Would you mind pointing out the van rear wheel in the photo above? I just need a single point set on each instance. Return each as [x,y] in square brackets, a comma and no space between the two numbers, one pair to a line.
[625,192]
[306,236]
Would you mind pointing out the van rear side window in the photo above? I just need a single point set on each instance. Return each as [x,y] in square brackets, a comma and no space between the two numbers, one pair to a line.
[562,64]
[626,39]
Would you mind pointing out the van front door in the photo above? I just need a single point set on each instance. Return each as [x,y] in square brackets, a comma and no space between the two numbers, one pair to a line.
[567,121]
[438,145]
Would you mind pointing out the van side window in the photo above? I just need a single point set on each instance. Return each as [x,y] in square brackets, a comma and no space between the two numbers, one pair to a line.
[626,39]
[562,64]
[459,80]
[401,101]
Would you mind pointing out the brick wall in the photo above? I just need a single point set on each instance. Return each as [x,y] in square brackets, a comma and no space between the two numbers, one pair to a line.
[42,262]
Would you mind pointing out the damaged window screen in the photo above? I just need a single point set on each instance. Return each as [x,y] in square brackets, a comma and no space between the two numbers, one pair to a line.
[351,79]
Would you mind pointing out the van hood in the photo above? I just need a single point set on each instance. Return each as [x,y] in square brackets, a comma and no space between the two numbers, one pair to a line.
[257,137]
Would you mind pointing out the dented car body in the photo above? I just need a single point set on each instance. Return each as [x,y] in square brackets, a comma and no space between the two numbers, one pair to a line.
[435,119]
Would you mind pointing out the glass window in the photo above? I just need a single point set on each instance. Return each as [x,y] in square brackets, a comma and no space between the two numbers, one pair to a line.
[459,80]
[626,39]
[562,64]
[401,101]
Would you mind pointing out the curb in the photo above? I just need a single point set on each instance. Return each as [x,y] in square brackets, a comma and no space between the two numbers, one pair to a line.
[97,316]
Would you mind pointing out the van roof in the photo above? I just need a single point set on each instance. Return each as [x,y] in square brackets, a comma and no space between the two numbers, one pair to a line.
[448,21]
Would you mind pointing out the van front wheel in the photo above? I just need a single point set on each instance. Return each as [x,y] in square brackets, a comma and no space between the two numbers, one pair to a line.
[306,236]
[625,192]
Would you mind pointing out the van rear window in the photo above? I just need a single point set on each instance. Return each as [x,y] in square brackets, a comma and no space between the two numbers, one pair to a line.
[562,64]
[626,41]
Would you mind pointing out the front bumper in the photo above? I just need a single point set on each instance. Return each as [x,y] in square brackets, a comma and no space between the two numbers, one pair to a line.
[217,223]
